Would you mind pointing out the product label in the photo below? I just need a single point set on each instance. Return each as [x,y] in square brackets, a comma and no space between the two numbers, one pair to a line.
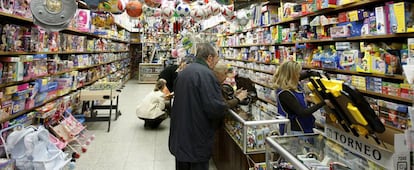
[371,152]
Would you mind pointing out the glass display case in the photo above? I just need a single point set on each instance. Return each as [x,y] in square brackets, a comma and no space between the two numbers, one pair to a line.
[148,72]
[250,130]
[312,151]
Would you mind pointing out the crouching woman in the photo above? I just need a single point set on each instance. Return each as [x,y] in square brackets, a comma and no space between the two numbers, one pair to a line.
[152,107]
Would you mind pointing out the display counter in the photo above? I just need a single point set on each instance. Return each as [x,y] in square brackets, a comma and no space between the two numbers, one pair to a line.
[240,143]
[250,130]
[312,151]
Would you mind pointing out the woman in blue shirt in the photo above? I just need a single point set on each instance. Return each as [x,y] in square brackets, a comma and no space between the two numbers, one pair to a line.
[291,98]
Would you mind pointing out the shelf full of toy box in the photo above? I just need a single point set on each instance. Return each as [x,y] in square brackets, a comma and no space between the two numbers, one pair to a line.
[388,102]
[24,21]
[5,84]
[308,151]
[60,86]
[15,115]
[248,130]
[323,11]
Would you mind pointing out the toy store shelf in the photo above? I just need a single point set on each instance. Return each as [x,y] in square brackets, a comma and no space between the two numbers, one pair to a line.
[51,100]
[53,74]
[95,65]
[258,62]
[395,77]
[33,79]
[267,72]
[13,116]
[330,10]
[15,17]
[262,84]
[249,45]
[358,38]
[396,98]
[74,31]
[320,12]
[267,101]
[64,52]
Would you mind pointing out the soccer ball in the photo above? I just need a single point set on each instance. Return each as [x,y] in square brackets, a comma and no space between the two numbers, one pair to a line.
[207,12]
[167,11]
[197,13]
[122,5]
[183,10]
[148,11]
[228,13]
[214,8]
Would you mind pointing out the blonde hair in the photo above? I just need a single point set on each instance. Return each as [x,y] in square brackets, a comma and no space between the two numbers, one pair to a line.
[160,84]
[220,67]
[287,76]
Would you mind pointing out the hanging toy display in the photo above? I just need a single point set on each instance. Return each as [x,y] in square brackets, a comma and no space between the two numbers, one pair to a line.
[153,3]
[122,5]
[214,8]
[183,10]
[148,11]
[186,42]
[228,13]
[207,11]
[167,11]
[53,15]
[113,6]
[242,17]
[134,9]
[197,12]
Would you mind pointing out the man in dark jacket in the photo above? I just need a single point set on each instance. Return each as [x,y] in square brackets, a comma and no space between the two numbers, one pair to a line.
[197,104]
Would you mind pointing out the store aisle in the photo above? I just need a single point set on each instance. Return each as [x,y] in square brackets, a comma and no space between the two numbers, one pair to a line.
[128,145]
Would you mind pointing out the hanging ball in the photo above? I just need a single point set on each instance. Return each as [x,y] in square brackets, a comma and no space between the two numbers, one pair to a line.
[134,8]
[167,11]
[122,5]
[183,10]
[153,3]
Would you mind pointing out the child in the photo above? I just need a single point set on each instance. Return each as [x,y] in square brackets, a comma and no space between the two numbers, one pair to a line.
[151,109]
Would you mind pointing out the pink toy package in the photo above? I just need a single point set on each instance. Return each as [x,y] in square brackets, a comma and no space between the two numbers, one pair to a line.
[83,20]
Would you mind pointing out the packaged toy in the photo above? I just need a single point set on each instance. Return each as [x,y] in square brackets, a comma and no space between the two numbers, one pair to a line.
[364,63]
[410,45]
[404,56]
[378,64]
[340,31]
[7,6]
[393,61]
[83,20]
[409,16]
[21,8]
[372,23]
[6,108]
[399,13]
[380,20]
[348,59]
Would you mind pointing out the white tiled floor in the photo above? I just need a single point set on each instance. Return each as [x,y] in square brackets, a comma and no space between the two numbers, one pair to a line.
[128,145]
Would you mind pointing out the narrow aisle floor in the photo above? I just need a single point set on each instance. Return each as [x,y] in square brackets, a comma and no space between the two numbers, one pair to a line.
[128,145]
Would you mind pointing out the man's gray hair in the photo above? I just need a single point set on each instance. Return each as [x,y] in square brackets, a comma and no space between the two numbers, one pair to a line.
[204,50]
